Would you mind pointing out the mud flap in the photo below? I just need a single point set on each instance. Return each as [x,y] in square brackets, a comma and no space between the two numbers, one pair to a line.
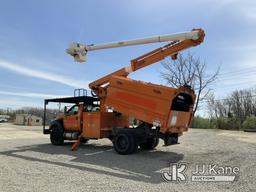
[77,143]
[169,139]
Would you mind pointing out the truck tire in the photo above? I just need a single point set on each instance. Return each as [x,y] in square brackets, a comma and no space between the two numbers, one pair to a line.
[125,143]
[150,144]
[56,135]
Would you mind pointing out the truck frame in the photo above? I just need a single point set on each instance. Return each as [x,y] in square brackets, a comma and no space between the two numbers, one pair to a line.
[163,112]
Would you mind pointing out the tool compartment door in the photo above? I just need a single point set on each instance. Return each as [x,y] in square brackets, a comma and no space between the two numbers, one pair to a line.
[91,125]
[179,121]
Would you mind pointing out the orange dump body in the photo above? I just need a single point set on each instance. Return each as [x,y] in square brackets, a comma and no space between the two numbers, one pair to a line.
[169,108]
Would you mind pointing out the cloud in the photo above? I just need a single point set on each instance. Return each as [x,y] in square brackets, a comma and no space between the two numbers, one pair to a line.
[244,8]
[16,103]
[43,75]
[30,94]
[16,99]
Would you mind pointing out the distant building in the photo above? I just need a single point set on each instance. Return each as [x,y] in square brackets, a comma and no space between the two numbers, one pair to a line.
[27,119]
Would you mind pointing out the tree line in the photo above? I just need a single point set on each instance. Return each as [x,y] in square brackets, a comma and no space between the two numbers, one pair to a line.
[236,111]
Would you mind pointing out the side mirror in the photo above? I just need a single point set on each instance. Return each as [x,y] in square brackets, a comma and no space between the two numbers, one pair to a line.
[65,109]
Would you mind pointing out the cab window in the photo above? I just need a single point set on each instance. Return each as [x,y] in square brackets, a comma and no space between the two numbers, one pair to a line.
[73,110]
[92,108]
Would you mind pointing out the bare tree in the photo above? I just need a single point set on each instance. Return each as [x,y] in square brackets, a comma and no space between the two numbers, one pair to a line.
[189,70]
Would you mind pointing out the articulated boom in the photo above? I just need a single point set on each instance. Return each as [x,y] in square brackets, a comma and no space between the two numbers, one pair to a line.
[171,49]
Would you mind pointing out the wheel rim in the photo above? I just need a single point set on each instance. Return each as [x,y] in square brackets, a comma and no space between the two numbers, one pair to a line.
[122,143]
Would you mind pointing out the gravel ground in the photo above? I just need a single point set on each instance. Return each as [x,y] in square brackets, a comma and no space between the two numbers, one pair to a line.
[28,162]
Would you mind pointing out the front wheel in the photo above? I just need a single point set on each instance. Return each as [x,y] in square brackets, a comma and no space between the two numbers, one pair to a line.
[125,143]
[56,135]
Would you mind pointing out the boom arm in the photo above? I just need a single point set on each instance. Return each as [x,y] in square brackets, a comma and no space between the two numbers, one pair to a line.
[79,51]
[178,43]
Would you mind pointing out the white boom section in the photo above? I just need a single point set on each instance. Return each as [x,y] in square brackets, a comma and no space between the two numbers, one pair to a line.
[78,51]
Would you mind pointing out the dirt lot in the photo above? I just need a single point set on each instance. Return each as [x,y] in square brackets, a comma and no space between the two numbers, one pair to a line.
[28,162]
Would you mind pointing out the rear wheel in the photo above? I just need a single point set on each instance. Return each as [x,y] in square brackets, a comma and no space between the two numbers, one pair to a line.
[150,143]
[56,135]
[125,143]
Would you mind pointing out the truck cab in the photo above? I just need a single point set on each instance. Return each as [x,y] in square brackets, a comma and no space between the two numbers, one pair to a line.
[83,118]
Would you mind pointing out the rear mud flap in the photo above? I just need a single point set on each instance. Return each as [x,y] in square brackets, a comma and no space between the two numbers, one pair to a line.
[170,139]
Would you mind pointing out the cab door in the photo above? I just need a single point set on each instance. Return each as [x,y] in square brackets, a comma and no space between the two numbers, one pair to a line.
[72,120]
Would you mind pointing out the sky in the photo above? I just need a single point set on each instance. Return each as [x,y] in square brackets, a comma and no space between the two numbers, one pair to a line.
[35,34]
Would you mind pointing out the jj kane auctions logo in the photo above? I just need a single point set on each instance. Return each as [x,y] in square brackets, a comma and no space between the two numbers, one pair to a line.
[201,172]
